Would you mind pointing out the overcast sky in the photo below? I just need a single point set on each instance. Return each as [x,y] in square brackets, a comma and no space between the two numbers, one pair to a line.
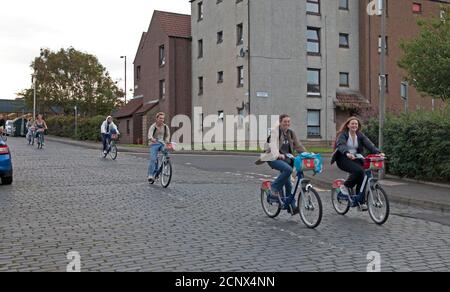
[105,28]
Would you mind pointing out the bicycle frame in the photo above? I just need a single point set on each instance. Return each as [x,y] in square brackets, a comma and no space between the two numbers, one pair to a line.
[369,180]
[300,182]
[165,157]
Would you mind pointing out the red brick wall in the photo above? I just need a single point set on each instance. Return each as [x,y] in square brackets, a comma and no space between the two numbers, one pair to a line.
[401,24]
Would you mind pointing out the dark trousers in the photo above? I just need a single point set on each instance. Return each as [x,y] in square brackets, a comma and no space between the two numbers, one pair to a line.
[355,168]
[105,139]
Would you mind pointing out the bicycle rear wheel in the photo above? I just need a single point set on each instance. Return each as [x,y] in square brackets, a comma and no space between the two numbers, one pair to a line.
[378,205]
[340,205]
[271,208]
[166,173]
[310,208]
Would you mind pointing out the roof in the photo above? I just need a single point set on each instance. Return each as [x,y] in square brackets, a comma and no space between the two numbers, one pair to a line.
[145,108]
[351,100]
[12,106]
[174,24]
[129,109]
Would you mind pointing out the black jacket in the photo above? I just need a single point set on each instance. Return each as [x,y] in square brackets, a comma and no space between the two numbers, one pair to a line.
[363,142]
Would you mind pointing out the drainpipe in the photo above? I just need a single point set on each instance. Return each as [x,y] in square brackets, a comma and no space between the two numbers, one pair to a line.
[249,63]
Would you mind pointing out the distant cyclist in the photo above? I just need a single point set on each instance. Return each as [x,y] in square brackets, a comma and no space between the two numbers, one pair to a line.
[108,129]
[40,127]
[158,136]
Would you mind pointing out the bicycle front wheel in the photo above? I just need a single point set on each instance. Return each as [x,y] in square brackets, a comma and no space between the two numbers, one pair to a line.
[166,173]
[378,205]
[113,152]
[310,208]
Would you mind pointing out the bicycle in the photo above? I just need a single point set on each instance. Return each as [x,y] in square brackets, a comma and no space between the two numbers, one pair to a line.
[164,166]
[40,139]
[30,136]
[370,192]
[111,147]
[309,203]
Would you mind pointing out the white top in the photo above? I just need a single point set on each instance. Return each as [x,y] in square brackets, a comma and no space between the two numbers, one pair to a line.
[352,145]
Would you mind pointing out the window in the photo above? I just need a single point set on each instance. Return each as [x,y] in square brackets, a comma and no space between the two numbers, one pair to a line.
[138,73]
[200,49]
[313,46]
[240,34]
[162,56]
[220,37]
[344,40]
[344,79]
[313,123]
[220,77]
[200,85]
[200,11]
[417,8]
[343,4]
[240,72]
[313,82]
[385,45]
[162,89]
[313,6]
[128,127]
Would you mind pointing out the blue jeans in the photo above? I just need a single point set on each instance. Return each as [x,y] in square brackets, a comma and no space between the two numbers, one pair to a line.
[284,179]
[105,140]
[153,165]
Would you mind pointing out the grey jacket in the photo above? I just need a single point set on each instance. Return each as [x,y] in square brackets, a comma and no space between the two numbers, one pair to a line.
[363,142]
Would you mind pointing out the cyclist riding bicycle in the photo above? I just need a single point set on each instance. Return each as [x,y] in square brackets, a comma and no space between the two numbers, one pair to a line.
[40,127]
[281,156]
[108,129]
[350,144]
[158,136]
[30,130]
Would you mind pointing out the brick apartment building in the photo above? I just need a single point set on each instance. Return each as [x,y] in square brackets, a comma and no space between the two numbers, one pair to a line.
[162,75]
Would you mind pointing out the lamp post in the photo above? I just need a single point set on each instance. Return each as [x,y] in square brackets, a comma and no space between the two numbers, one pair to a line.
[76,121]
[33,80]
[125,58]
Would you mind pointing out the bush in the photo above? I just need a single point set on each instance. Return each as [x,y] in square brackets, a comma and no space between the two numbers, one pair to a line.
[88,128]
[417,144]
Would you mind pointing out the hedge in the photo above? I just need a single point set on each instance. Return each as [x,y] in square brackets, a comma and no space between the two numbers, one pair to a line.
[88,128]
[417,144]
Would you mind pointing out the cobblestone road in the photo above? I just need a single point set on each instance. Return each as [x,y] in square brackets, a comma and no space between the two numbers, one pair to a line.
[66,198]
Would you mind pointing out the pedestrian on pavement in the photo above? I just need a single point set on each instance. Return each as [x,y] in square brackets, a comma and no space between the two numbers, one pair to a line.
[280,155]
[158,137]
[350,142]
[2,124]
[107,129]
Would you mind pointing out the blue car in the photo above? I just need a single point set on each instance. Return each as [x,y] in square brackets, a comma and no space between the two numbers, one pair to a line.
[6,170]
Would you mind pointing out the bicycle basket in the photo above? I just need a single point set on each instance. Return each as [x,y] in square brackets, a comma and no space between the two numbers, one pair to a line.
[308,164]
[374,162]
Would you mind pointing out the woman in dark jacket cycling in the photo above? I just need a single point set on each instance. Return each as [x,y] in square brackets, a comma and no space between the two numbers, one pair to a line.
[350,142]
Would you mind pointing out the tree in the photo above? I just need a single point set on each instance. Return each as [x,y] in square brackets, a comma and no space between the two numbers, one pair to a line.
[427,57]
[70,78]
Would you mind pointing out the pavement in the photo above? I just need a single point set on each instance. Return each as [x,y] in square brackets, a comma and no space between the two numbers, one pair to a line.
[67,198]
[409,192]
